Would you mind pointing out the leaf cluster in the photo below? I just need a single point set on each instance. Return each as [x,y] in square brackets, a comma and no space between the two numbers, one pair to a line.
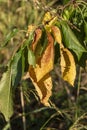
[61,35]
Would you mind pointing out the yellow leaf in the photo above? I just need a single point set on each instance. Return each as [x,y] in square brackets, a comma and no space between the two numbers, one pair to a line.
[46,61]
[57,35]
[43,88]
[40,73]
[68,67]
[49,20]
[31,28]
[45,64]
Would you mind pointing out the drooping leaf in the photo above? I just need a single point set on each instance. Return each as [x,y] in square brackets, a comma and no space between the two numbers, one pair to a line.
[16,67]
[45,63]
[43,87]
[57,35]
[71,41]
[38,34]
[6,105]
[40,73]
[68,67]
[36,44]
[40,42]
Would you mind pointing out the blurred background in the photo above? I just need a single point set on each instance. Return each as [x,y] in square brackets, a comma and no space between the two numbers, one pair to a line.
[69,105]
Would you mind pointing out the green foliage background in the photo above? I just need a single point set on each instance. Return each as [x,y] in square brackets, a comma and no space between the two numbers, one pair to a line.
[70,109]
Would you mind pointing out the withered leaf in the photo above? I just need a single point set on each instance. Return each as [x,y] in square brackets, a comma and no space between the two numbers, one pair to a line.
[38,33]
[43,87]
[45,63]
[40,73]
[68,67]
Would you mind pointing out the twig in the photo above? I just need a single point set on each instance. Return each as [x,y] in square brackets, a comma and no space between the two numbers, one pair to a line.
[23,108]
[73,26]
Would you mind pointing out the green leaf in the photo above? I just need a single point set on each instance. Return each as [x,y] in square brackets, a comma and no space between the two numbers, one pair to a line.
[6,105]
[85,30]
[16,67]
[9,36]
[31,57]
[71,41]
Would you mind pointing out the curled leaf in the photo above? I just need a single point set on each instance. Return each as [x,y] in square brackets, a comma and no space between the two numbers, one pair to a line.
[68,67]
[40,73]
[45,62]
[38,33]
[32,47]
[43,87]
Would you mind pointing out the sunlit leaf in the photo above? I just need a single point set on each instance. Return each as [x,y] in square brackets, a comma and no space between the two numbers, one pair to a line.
[39,74]
[43,87]
[57,35]
[6,105]
[49,20]
[68,67]
[45,63]
[71,41]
